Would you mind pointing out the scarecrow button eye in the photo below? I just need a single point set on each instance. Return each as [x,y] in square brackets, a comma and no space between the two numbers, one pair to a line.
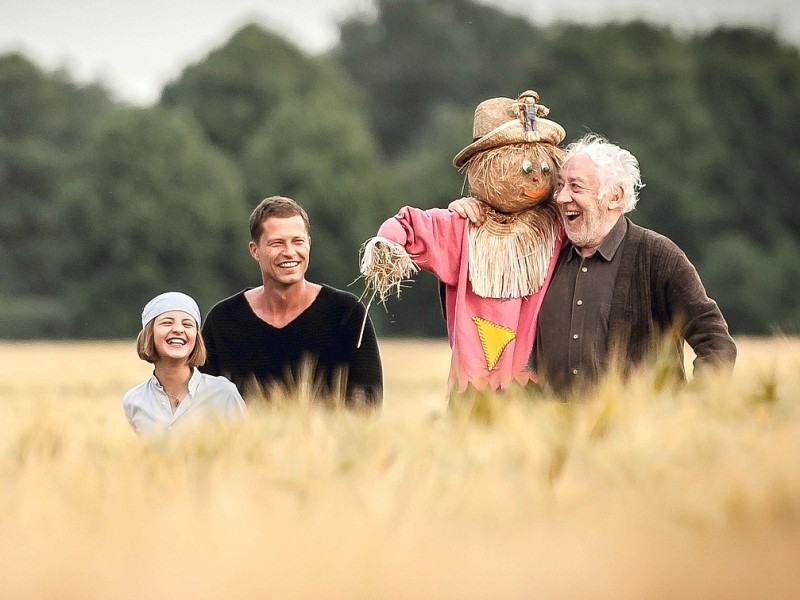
[545,168]
[527,166]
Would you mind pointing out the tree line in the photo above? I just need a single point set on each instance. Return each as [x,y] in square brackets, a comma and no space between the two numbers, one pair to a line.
[105,204]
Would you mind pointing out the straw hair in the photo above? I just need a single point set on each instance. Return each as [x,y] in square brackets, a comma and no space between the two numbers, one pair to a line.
[503,121]
[509,255]
[385,266]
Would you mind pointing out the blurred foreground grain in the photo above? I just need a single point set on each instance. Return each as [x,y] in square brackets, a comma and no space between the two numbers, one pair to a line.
[639,492]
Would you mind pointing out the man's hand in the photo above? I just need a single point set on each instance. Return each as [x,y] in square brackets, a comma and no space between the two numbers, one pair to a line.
[469,208]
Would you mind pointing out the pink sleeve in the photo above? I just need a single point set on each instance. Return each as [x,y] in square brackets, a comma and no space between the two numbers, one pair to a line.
[432,237]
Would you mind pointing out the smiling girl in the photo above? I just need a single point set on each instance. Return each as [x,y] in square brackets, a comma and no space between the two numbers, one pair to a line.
[177,392]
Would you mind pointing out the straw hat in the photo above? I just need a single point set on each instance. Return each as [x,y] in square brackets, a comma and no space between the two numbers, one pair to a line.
[503,121]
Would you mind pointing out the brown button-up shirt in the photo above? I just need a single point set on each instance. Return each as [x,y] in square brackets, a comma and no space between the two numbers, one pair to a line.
[572,338]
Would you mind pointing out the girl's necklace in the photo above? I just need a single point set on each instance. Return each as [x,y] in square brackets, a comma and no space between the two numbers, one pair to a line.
[179,398]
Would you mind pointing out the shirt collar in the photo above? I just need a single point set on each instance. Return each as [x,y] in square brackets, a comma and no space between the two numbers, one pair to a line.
[610,244]
[194,381]
[613,240]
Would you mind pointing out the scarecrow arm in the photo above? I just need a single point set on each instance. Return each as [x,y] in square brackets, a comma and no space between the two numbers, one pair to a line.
[435,238]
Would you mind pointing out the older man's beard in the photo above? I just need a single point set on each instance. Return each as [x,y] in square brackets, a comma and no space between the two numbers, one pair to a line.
[587,230]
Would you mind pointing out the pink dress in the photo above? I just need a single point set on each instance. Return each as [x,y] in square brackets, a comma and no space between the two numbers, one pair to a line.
[491,338]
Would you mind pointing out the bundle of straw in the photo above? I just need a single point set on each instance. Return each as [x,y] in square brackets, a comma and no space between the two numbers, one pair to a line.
[509,255]
[385,266]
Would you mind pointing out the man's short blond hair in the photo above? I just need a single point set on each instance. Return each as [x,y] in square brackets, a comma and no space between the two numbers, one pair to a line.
[275,206]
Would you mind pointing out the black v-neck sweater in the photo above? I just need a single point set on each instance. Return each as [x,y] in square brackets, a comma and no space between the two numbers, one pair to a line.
[318,348]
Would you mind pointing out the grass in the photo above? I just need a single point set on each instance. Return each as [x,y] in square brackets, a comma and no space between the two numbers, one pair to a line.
[639,492]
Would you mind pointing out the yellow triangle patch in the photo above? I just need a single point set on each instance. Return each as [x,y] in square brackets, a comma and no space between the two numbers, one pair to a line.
[494,339]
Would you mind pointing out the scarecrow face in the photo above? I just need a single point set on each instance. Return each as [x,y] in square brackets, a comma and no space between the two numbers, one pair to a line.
[515,177]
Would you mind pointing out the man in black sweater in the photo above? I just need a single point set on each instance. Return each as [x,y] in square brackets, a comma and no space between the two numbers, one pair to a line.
[290,335]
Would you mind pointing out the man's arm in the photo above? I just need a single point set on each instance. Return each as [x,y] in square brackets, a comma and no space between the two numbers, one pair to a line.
[211,366]
[702,324]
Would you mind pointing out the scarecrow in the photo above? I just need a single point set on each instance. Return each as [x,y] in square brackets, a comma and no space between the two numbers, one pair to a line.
[495,274]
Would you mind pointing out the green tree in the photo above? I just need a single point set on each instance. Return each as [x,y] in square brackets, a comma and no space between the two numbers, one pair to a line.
[418,54]
[236,88]
[45,121]
[750,83]
[756,292]
[154,208]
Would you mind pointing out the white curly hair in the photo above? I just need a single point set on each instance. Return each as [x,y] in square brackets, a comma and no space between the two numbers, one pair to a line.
[614,166]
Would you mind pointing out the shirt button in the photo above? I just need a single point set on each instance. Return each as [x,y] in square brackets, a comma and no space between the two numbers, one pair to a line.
[163,403]
[574,371]
[579,303]
[574,336]
[584,269]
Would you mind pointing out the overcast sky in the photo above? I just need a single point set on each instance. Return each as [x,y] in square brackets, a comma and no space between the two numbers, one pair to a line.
[135,46]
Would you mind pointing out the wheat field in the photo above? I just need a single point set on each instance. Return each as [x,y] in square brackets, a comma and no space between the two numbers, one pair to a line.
[640,492]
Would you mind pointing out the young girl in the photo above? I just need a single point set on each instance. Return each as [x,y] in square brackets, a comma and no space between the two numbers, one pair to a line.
[177,392]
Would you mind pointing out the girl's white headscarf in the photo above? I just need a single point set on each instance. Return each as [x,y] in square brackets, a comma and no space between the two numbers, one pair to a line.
[170,301]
